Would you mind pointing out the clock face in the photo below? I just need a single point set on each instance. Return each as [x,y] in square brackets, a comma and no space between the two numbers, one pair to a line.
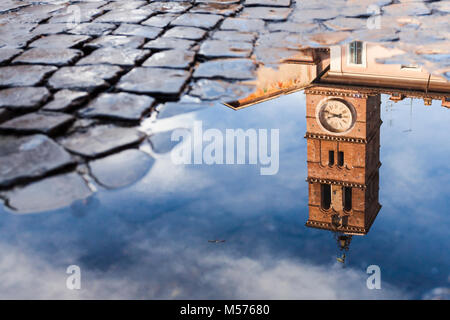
[336,116]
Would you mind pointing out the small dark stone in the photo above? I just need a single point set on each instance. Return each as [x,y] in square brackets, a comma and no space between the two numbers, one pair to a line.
[52,56]
[29,157]
[122,106]
[49,194]
[40,122]
[29,98]
[23,76]
[121,169]
[154,81]
[83,77]
[100,140]
[176,59]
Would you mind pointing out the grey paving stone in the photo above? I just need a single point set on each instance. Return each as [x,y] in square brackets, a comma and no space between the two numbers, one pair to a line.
[115,56]
[169,43]
[269,3]
[243,25]
[160,20]
[175,59]
[121,106]
[65,100]
[198,20]
[24,75]
[51,28]
[28,98]
[137,30]
[217,8]
[225,49]
[51,56]
[273,56]
[88,78]
[7,54]
[189,33]
[168,7]
[124,5]
[60,41]
[207,89]
[16,35]
[49,194]
[93,29]
[234,36]
[266,13]
[67,16]
[124,16]
[30,14]
[238,69]
[157,81]
[29,157]
[101,140]
[121,169]
[38,122]
[116,42]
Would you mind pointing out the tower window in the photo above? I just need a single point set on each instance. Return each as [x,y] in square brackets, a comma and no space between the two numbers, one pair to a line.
[340,158]
[356,52]
[347,198]
[330,157]
[326,196]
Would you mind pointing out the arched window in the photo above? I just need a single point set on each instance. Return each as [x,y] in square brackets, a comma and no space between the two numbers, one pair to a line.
[340,158]
[330,157]
[325,194]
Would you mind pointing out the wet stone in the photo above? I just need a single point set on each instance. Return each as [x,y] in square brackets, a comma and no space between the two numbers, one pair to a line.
[243,25]
[185,105]
[124,16]
[169,7]
[189,33]
[51,28]
[217,8]
[7,54]
[169,43]
[40,122]
[124,5]
[27,98]
[65,100]
[175,59]
[296,27]
[60,41]
[16,35]
[157,81]
[160,20]
[93,29]
[29,157]
[84,77]
[234,36]
[266,13]
[121,106]
[51,56]
[116,42]
[207,89]
[121,169]
[49,194]
[24,75]
[101,140]
[86,15]
[225,49]
[238,69]
[273,3]
[198,20]
[115,56]
[137,30]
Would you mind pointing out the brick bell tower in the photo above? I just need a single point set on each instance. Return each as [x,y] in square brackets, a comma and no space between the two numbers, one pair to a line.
[343,157]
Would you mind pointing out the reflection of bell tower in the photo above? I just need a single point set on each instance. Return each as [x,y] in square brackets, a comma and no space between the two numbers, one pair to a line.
[343,138]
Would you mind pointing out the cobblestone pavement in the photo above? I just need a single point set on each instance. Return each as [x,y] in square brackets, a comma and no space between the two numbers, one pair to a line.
[77,78]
